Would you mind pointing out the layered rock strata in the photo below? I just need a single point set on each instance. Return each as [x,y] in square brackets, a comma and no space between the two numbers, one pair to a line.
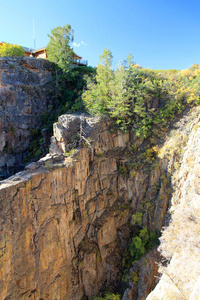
[65,222]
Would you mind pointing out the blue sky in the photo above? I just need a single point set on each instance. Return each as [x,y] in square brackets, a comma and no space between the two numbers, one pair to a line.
[160,34]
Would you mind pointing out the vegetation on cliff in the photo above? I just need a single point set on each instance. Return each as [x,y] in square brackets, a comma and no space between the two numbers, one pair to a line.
[69,88]
[141,100]
[59,48]
[11,50]
[180,239]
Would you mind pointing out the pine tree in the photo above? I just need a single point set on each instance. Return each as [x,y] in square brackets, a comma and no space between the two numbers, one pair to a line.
[98,95]
[59,48]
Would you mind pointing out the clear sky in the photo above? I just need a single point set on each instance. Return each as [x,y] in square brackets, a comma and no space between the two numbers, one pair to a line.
[160,34]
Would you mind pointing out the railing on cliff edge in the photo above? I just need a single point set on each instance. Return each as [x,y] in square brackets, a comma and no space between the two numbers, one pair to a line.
[81,62]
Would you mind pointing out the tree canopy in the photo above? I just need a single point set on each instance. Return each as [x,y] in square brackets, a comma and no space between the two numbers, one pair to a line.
[139,99]
[98,95]
[11,50]
[59,48]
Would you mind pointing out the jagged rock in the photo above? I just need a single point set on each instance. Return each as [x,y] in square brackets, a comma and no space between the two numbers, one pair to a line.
[144,276]
[24,96]
[65,226]
[54,146]
[2,140]
[46,136]
[60,132]
[65,131]
[31,167]
[180,240]
[44,159]
[128,294]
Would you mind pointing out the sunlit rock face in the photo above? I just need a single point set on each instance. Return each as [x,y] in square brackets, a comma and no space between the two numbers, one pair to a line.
[181,240]
[65,222]
[25,94]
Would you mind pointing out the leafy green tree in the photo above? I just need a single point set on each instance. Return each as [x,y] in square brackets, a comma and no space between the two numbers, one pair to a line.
[141,100]
[143,242]
[11,50]
[118,104]
[98,96]
[59,48]
[129,61]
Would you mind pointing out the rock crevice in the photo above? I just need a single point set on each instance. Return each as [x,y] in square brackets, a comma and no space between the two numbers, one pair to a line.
[71,218]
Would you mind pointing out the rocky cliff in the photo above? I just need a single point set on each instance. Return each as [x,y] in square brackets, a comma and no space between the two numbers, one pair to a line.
[180,243]
[25,94]
[66,221]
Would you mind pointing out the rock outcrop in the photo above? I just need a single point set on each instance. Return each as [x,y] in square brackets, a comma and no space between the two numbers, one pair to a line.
[65,222]
[25,94]
[68,131]
[180,242]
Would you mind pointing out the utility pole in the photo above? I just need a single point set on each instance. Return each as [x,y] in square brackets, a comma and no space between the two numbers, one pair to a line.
[34,35]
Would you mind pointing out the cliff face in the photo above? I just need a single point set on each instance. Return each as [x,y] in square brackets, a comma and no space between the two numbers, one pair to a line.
[180,242]
[65,223]
[24,96]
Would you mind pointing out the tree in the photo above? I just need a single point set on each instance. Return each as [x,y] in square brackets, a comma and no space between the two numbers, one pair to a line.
[11,50]
[119,106]
[98,95]
[129,60]
[58,49]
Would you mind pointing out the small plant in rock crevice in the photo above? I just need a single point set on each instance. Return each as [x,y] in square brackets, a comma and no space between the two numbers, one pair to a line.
[141,243]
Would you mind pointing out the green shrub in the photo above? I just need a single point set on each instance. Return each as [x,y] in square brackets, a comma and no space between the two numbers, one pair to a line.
[137,218]
[123,170]
[11,50]
[70,153]
[141,100]
[134,276]
[143,242]
[109,296]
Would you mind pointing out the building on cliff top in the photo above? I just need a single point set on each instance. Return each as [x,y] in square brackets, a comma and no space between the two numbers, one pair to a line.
[42,53]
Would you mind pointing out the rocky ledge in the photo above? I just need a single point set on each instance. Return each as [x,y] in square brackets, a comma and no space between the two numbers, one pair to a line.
[66,221]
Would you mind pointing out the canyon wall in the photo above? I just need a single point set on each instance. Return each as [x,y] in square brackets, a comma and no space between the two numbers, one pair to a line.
[66,222]
[25,94]
[180,242]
